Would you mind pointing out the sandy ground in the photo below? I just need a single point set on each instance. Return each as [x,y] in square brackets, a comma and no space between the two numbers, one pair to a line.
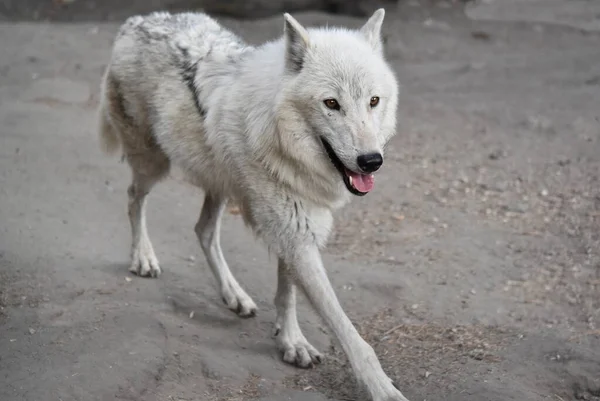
[473,268]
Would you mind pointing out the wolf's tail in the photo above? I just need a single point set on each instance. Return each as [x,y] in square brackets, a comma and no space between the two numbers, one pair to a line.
[109,139]
[108,135]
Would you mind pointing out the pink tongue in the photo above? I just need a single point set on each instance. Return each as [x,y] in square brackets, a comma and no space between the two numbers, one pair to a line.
[362,182]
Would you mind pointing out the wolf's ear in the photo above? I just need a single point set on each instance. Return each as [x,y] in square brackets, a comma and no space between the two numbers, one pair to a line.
[296,43]
[371,30]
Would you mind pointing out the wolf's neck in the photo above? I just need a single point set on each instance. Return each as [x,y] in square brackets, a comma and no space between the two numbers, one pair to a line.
[263,71]
[260,78]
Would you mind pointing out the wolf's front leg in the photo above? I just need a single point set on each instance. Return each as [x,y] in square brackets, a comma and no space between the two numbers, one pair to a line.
[307,267]
[208,231]
[291,342]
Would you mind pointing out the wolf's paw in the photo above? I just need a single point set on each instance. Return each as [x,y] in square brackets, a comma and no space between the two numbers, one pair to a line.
[236,299]
[296,349]
[144,262]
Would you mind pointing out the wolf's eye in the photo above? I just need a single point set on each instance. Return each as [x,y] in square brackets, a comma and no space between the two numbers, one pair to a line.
[332,104]
[374,101]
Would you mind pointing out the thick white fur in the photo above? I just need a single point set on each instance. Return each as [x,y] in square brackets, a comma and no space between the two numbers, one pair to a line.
[245,124]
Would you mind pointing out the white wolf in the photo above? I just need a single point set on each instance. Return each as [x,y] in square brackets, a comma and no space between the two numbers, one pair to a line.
[288,131]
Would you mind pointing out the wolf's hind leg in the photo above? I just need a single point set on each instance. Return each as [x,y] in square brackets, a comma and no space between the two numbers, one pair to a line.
[119,128]
[291,342]
[208,230]
[148,167]
[143,259]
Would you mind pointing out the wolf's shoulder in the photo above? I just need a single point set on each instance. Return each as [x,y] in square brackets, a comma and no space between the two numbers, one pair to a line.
[163,24]
[184,29]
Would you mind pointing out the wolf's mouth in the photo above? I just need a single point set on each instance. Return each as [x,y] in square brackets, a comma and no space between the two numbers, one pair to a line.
[357,183]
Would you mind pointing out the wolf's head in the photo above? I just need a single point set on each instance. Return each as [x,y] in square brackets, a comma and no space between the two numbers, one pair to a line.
[343,94]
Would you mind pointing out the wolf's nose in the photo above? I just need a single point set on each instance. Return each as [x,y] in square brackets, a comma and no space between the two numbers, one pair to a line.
[369,162]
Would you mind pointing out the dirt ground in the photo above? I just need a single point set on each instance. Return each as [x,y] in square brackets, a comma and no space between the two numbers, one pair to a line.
[473,268]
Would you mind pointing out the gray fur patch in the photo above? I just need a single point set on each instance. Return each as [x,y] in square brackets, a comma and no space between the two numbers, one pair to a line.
[188,74]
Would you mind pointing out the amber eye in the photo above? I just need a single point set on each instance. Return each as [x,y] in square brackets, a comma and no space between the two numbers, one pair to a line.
[374,101]
[332,104]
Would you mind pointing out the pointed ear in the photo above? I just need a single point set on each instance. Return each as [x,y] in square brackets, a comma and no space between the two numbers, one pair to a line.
[372,30]
[296,43]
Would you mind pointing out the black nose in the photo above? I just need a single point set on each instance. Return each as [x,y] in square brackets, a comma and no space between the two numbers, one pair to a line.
[369,162]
